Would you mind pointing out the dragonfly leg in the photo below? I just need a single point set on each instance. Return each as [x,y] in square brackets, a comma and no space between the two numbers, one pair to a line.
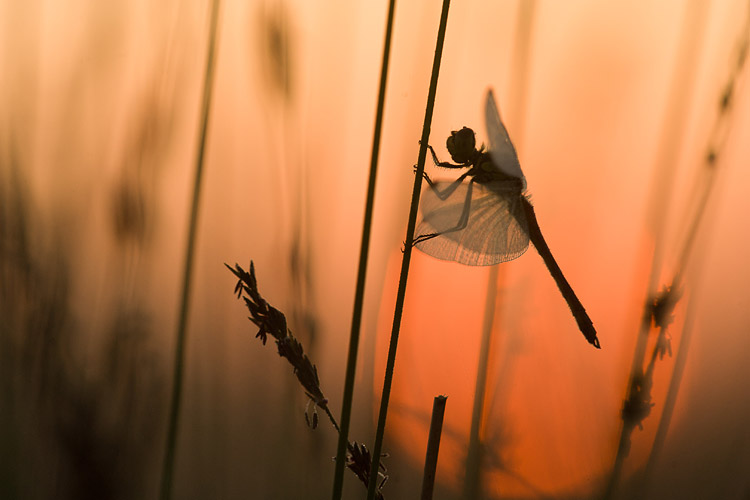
[444,164]
[462,221]
[445,193]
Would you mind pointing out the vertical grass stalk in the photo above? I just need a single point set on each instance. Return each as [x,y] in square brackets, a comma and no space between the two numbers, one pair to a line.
[682,84]
[179,359]
[721,123]
[518,85]
[672,293]
[473,476]
[433,447]
[351,362]
[408,246]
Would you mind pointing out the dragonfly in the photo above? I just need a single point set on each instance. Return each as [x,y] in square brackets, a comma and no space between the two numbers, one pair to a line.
[485,217]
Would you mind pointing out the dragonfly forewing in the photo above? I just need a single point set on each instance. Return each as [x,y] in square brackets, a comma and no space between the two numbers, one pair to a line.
[501,148]
[495,231]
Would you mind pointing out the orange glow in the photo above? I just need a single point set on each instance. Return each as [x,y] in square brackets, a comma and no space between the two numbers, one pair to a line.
[543,420]
[612,107]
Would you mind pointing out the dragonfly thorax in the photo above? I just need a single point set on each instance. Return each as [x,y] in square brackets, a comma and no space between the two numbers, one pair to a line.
[485,171]
[462,146]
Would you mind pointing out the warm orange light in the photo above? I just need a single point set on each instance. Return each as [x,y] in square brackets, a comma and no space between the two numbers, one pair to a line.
[551,421]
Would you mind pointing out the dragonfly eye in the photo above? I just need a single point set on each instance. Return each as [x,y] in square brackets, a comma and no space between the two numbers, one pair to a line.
[462,144]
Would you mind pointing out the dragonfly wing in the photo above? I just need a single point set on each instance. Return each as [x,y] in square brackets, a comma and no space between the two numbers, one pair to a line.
[501,149]
[496,230]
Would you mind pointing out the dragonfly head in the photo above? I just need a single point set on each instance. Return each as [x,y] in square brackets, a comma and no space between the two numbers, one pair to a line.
[462,145]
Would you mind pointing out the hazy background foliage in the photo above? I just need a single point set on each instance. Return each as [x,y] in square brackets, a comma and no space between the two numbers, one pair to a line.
[98,123]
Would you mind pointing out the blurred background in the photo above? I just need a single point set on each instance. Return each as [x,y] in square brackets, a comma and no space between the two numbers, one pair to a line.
[632,125]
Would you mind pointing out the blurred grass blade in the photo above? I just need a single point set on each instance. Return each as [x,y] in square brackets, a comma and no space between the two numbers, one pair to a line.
[351,362]
[179,360]
[408,247]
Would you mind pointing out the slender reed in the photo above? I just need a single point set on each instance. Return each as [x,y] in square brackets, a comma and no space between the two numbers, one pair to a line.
[179,359]
[637,404]
[271,321]
[473,477]
[433,447]
[659,307]
[714,148]
[351,361]
[408,245]
[518,86]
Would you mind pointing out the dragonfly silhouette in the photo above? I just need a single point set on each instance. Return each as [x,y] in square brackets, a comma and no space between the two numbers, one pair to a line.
[489,219]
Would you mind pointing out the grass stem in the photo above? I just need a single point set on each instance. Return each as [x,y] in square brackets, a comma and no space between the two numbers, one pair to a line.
[179,359]
[472,480]
[682,351]
[682,85]
[519,71]
[351,362]
[408,245]
[659,309]
[433,447]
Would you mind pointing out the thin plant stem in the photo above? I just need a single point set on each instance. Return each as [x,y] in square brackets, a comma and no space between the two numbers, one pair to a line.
[331,418]
[433,447]
[660,308]
[669,401]
[472,481]
[408,246]
[682,84]
[518,85]
[179,359]
[682,352]
[351,362]
[271,322]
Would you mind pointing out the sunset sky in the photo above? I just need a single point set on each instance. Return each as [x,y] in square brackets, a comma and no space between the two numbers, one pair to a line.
[613,108]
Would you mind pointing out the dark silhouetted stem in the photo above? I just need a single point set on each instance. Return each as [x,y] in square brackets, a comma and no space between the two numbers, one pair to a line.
[179,359]
[517,103]
[693,33]
[681,359]
[433,447]
[579,313]
[408,245]
[472,481]
[351,362]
